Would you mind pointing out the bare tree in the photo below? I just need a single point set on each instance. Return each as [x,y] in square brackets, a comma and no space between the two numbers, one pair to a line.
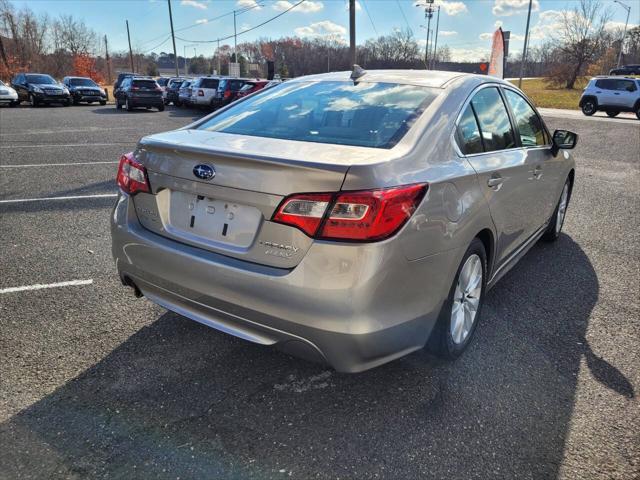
[581,39]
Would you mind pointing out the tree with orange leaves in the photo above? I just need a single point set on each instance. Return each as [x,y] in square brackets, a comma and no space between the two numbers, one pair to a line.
[85,66]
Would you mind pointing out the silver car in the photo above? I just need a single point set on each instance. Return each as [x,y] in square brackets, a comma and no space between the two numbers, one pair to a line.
[350,218]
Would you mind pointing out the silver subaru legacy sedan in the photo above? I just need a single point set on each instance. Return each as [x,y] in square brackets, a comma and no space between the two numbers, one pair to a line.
[350,218]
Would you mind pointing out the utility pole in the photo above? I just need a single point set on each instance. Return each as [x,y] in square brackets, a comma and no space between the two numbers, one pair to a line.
[429,9]
[524,50]
[130,51]
[173,37]
[235,39]
[106,49]
[435,46]
[628,9]
[352,32]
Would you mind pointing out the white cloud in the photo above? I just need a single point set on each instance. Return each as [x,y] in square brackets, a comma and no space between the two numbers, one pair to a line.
[244,26]
[506,8]
[306,7]
[486,36]
[447,33]
[358,6]
[452,8]
[194,4]
[201,21]
[618,27]
[324,29]
[248,4]
[550,23]
[477,54]
[498,24]
[489,35]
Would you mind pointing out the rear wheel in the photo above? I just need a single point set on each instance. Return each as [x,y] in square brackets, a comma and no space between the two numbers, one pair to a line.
[557,220]
[638,111]
[128,105]
[460,313]
[613,113]
[103,102]
[161,108]
[118,104]
[589,107]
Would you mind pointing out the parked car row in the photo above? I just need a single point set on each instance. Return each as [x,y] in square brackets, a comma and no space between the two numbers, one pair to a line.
[40,88]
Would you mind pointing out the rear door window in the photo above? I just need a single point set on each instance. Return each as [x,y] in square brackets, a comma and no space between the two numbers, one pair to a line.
[145,84]
[493,120]
[625,85]
[469,139]
[529,124]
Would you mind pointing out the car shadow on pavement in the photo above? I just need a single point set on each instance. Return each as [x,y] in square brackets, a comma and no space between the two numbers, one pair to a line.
[171,111]
[180,400]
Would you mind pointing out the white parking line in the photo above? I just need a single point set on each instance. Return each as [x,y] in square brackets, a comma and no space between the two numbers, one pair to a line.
[55,164]
[72,197]
[40,286]
[69,145]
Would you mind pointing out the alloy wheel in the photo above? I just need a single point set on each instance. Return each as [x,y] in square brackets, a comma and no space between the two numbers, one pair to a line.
[466,299]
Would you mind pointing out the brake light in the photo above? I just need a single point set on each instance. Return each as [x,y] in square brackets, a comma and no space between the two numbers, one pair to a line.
[132,176]
[201,93]
[227,93]
[135,88]
[363,216]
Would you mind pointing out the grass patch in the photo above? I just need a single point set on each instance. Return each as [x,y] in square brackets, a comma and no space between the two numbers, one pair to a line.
[547,96]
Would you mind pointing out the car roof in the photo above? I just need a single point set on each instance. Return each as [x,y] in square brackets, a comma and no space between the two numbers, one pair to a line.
[426,78]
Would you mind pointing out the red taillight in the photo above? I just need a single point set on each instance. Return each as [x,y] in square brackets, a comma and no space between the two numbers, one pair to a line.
[201,93]
[132,176]
[364,216]
[304,211]
[135,88]
[227,93]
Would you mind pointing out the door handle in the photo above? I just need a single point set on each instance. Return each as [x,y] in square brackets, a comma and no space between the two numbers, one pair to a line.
[495,181]
[537,172]
[616,93]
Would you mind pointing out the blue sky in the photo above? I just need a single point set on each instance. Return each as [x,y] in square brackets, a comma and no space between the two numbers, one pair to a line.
[465,25]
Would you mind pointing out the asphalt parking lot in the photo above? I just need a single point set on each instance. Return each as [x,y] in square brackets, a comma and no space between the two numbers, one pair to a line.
[97,384]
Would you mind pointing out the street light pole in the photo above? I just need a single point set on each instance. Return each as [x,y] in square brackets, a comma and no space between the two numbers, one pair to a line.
[524,50]
[173,37]
[628,9]
[434,58]
[352,32]
[429,9]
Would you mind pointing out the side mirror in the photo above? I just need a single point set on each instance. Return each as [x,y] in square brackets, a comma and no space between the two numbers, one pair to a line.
[563,139]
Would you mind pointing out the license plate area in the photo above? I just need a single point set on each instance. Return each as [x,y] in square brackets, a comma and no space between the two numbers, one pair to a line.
[212,221]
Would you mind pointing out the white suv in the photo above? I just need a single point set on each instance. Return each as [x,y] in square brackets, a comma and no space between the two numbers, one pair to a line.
[612,95]
[203,90]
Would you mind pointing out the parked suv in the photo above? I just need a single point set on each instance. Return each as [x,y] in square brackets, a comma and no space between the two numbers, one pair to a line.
[251,87]
[351,222]
[184,93]
[119,80]
[228,88]
[204,90]
[84,89]
[626,70]
[139,92]
[171,91]
[612,95]
[39,88]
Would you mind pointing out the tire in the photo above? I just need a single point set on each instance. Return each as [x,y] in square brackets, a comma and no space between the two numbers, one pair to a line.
[589,107]
[75,101]
[128,105]
[103,102]
[32,101]
[177,103]
[613,113]
[638,111]
[457,322]
[161,108]
[14,103]
[67,103]
[557,219]
[118,105]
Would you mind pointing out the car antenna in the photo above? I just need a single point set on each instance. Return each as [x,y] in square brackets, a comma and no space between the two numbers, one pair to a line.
[357,72]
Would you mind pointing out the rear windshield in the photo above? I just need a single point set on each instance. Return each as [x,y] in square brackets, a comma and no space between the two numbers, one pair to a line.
[162,81]
[185,84]
[82,82]
[208,83]
[364,114]
[247,86]
[145,83]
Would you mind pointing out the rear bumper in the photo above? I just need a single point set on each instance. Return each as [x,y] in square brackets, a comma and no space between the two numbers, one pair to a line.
[352,306]
[146,101]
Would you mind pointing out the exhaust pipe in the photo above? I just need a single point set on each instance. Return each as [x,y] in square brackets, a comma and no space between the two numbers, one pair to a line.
[127,282]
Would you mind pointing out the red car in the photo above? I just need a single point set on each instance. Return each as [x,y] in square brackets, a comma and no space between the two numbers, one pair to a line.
[251,86]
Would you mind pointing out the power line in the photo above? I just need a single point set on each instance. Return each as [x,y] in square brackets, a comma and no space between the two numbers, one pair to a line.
[244,31]
[157,46]
[366,9]
[404,16]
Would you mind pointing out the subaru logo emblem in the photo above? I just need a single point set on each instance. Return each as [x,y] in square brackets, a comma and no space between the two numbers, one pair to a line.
[204,172]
